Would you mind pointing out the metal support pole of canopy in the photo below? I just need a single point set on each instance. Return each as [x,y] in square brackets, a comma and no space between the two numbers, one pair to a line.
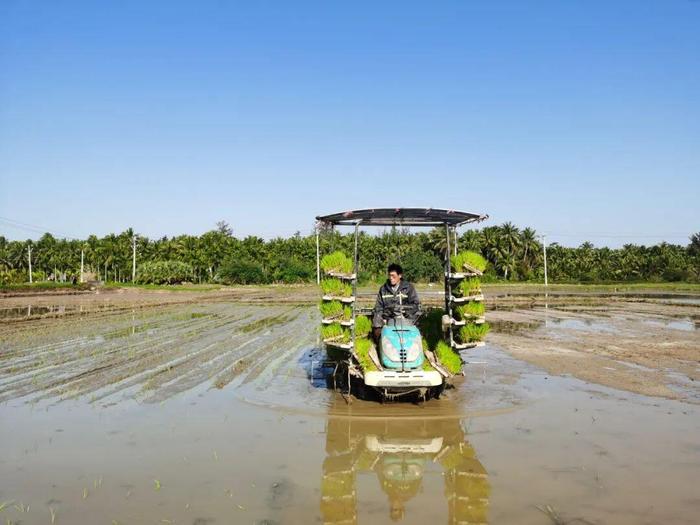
[354,281]
[448,283]
[318,258]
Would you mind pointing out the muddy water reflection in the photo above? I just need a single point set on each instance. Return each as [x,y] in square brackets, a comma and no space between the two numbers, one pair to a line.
[406,457]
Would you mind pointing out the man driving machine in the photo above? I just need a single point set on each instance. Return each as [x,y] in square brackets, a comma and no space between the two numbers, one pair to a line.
[396,298]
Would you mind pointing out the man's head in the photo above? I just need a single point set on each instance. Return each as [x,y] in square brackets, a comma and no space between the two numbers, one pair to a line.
[395,273]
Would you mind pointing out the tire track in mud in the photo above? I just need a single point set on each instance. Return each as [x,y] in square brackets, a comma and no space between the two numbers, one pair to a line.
[164,352]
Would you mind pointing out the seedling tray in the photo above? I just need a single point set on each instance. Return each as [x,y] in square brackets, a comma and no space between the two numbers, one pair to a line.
[346,300]
[464,346]
[466,299]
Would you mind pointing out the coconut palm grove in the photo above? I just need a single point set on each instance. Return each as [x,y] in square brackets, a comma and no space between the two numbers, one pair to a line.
[218,256]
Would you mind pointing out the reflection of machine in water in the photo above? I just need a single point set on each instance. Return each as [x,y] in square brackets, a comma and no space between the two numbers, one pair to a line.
[398,451]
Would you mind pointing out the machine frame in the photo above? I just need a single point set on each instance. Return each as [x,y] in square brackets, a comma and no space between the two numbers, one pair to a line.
[393,383]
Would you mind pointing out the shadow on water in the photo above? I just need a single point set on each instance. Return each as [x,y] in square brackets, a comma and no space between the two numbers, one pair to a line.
[318,367]
[413,459]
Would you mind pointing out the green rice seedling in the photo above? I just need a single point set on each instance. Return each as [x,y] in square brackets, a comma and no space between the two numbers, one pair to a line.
[5,504]
[347,313]
[448,357]
[426,364]
[53,515]
[362,326]
[156,484]
[331,309]
[472,332]
[336,287]
[362,347]
[336,262]
[331,331]
[335,332]
[430,326]
[469,310]
[468,261]
[471,286]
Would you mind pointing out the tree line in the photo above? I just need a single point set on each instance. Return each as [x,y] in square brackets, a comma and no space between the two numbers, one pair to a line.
[218,256]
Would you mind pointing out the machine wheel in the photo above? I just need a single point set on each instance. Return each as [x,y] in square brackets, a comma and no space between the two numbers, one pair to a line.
[435,392]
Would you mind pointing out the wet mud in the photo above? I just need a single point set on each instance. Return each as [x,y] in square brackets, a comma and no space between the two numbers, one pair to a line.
[205,412]
[648,347]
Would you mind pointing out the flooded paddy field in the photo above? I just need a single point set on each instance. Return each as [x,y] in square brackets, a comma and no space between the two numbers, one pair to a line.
[207,408]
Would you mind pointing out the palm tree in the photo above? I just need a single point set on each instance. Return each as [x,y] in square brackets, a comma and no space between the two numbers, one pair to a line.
[510,234]
[529,245]
[694,246]
[505,259]
[490,241]
[438,241]
[471,240]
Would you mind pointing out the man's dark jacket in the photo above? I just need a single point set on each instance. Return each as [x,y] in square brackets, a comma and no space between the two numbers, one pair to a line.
[390,302]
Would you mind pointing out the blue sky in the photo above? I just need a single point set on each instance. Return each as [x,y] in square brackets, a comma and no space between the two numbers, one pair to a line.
[580,119]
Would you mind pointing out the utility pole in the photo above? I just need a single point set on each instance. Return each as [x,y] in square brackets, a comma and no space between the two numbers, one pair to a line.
[82,261]
[544,249]
[133,258]
[29,250]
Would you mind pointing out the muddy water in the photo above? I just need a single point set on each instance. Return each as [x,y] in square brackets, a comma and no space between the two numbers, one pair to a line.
[220,414]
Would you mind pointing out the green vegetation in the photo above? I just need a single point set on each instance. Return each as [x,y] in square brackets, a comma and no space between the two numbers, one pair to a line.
[468,287]
[426,364]
[330,309]
[335,310]
[468,260]
[421,266]
[44,285]
[164,272]
[336,288]
[217,256]
[335,332]
[336,262]
[472,332]
[362,326]
[293,271]
[469,310]
[448,357]
[241,271]
[362,347]
[430,326]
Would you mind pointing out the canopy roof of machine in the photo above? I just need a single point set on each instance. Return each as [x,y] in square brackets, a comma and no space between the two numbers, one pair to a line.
[401,217]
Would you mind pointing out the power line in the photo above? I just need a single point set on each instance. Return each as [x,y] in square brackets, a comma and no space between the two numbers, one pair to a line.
[34,228]
[622,235]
